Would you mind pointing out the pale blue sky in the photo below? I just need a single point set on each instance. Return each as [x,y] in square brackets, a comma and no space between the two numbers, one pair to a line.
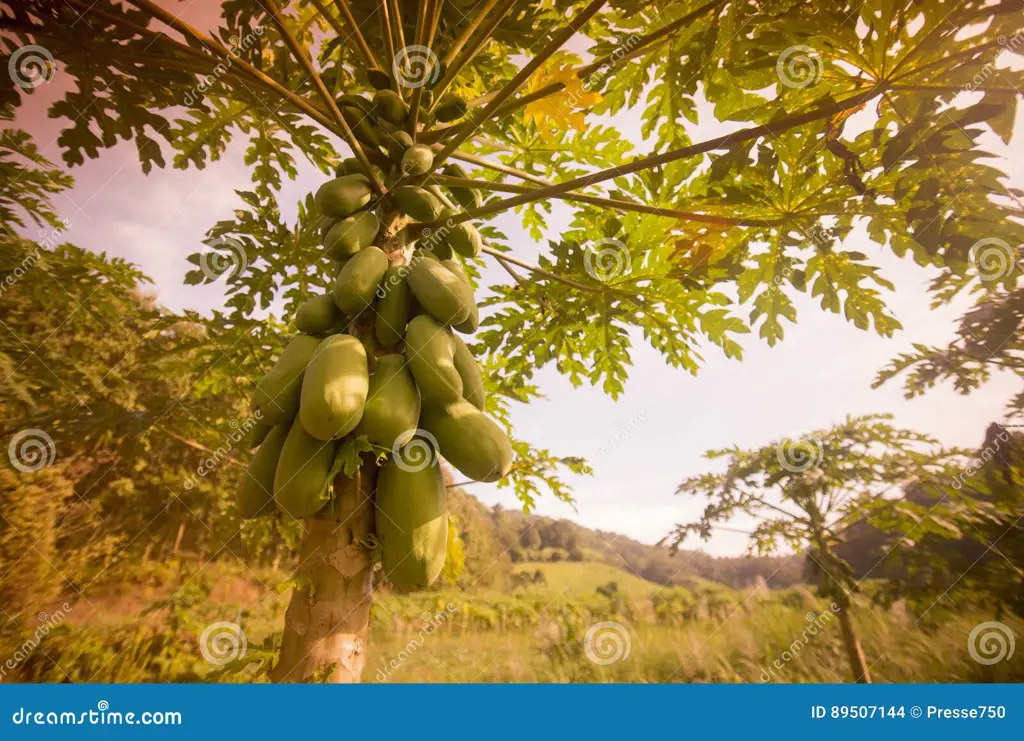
[654,436]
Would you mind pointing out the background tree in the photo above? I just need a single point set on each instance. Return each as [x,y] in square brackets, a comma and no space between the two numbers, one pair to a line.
[665,243]
[805,494]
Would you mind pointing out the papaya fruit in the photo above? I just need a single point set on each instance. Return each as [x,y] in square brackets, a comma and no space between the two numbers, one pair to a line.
[388,105]
[325,225]
[397,144]
[276,398]
[363,126]
[465,197]
[378,78]
[420,204]
[450,108]
[393,307]
[343,196]
[303,472]
[356,101]
[430,352]
[472,380]
[417,160]
[442,293]
[463,238]
[317,315]
[427,96]
[392,411]
[255,494]
[470,440]
[357,282]
[351,234]
[257,435]
[351,166]
[412,522]
[471,324]
[334,388]
[434,246]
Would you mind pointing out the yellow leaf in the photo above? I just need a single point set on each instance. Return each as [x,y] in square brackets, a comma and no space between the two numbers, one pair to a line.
[567,106]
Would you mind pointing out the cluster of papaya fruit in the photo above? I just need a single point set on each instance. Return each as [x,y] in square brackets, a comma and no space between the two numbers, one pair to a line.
[408,383]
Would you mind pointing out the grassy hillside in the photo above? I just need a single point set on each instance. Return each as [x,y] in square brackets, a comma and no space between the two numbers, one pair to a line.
[582,577]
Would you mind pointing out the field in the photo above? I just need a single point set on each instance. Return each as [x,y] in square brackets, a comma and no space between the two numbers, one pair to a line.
[581,577]
[150,628]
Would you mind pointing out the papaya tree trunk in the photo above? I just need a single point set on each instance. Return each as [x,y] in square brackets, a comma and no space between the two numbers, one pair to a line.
[851,642]
[326,629]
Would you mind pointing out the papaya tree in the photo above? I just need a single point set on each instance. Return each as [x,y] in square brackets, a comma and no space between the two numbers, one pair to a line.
[843,114]
[808,491]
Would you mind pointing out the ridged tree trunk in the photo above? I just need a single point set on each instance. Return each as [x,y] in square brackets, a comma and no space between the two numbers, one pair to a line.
[327,623]
[854,651]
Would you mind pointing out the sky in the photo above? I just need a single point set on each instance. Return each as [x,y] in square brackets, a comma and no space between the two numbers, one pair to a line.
[654,436]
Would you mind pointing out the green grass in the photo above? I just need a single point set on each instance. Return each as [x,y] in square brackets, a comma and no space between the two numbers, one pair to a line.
[581,577]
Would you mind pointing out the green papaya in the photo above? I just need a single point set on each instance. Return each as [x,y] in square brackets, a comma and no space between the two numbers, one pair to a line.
[343,196]
[471,324]
[393,310]
[420,204]
[427,95]
[441,292]
[276,398]
[430,352]
[433,245]
[463,238]
[364,127]
[303,472]
[392,410]
[417,160]
[351,234]
[389,105]
[465,197]
[397,144]
[356,101]
[352,166]
[378,79]
[257,435]
[317,315]
[334,388]
[356,284]
[472,380]
[325,225]
[412,522]
[470,440]
[255,494]
[450,108]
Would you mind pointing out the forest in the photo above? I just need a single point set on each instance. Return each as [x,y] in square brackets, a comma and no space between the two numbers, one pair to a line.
[295,451]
